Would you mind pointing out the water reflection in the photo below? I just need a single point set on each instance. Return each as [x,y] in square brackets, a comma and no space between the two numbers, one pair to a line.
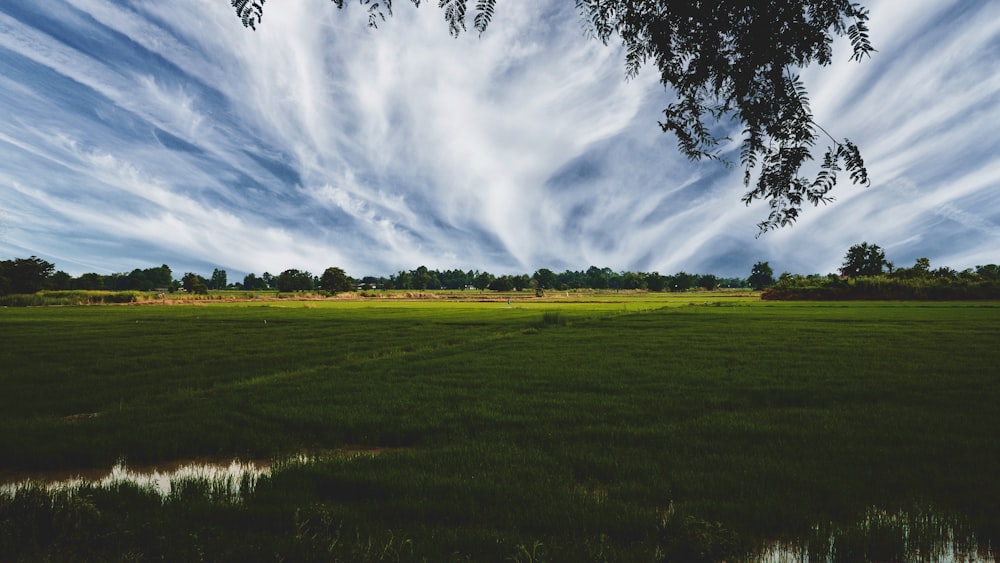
[914,535]
[227,478]
[220,477]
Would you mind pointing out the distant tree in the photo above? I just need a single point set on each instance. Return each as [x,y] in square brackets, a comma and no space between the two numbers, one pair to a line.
[420,278]
[571,279]
[969,275]
[520,281]
[161,278]
[136,281]
[25,275]
[920,269]
[863,260]
[117,282]
[597,278]
[989,271]
[453,279]
[945,272]
[616,280]
[761,276]
[682,281]
[218,279]
[372,282]
[335,280]
[633,280]
[294,280]
[720,62]
[402,280]
[148,279]
[922,266]
[655,282]
[193,283]
[253,283]
[502,283]
[708,281]
[482,280]
[424,278]
[546,278]
[733,282]
[89,281]
[59,281]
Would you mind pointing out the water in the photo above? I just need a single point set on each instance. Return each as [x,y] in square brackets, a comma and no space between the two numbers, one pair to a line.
[916,535]
[224,476]
[232,478]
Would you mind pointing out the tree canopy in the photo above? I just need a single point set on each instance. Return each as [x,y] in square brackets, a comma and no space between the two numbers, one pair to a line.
[761,276]
[865,260]
[24,275]
[335,280]
[729,63]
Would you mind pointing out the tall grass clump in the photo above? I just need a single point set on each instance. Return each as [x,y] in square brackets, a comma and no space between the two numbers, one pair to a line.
[69,297]
[554,318]
[24,300]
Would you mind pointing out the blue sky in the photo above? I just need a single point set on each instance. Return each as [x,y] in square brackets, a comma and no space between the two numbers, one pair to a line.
[135,133]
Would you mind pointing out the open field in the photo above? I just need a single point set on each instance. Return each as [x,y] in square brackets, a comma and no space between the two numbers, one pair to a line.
[603,427]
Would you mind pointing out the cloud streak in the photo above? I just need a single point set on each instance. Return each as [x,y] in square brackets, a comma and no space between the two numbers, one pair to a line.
[137,133]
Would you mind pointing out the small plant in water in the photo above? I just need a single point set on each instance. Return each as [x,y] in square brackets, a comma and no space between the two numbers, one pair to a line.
[535,555]
[695,540]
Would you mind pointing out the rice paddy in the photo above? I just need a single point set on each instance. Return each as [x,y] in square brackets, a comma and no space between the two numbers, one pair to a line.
[596,427]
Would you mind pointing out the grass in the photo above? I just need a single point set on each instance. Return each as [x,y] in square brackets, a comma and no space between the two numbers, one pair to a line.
[597,428]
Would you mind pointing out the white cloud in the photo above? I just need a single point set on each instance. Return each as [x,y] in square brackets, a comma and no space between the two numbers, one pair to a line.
[167,130]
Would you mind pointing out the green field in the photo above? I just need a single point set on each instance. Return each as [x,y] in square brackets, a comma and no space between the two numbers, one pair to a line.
[596,428]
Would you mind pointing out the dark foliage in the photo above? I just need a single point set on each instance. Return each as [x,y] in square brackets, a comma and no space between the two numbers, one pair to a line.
[335,280]
[24,275]
[761,276]
[249,12]
[193,283]
[295,280]
[864,260]
[946,286]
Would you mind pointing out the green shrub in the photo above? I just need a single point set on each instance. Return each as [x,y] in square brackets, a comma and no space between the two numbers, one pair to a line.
[886,288]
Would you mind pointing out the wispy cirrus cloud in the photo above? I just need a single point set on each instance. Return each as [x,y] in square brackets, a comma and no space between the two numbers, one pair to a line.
[136,133]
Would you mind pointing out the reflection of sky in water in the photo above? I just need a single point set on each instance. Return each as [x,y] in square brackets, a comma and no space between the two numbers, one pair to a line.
[232,477]
[919,535]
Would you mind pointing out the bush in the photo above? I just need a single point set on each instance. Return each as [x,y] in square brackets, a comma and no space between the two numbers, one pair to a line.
[885,288]
[69,297]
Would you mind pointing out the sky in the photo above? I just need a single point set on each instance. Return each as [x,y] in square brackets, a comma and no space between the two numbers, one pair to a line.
[135,133]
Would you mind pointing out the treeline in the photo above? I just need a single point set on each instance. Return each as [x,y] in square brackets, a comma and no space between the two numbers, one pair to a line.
[867,275]
[424,278]
[546,279]
[31,275]
[982,282]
